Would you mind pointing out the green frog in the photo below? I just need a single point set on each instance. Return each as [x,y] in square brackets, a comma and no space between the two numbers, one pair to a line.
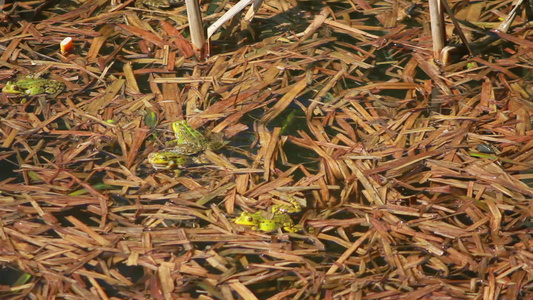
[190,141]
[34,86]
[157,4]
[277,218]
[167,160]
[185,150]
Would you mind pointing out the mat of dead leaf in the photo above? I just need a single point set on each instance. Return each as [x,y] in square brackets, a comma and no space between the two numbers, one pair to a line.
[416,179]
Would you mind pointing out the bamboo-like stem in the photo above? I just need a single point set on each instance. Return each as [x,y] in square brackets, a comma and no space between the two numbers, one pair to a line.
[196,27]
[437,27]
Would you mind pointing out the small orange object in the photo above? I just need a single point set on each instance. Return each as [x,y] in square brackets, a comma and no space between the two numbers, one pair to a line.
[66,45]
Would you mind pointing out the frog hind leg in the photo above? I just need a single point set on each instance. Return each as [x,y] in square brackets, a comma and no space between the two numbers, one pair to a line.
[290,227]
[294,208]
[200,160]
[55,88]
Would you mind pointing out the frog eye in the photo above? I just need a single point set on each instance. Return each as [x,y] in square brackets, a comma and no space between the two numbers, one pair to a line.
[249,219]
[15,87]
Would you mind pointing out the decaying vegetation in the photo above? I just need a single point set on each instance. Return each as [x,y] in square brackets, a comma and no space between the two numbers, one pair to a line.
[416,179]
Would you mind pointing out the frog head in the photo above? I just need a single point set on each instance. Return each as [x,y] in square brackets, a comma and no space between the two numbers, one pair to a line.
[189,141]
[167,160]
[178,126]
[248,219]
[12,88]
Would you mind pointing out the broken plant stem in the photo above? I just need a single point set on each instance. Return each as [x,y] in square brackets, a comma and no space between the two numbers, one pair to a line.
[196,27]
[227,16]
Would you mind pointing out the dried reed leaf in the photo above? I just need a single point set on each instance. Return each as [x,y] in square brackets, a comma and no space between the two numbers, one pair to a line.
[241,289]
[104,33]
[284,101]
